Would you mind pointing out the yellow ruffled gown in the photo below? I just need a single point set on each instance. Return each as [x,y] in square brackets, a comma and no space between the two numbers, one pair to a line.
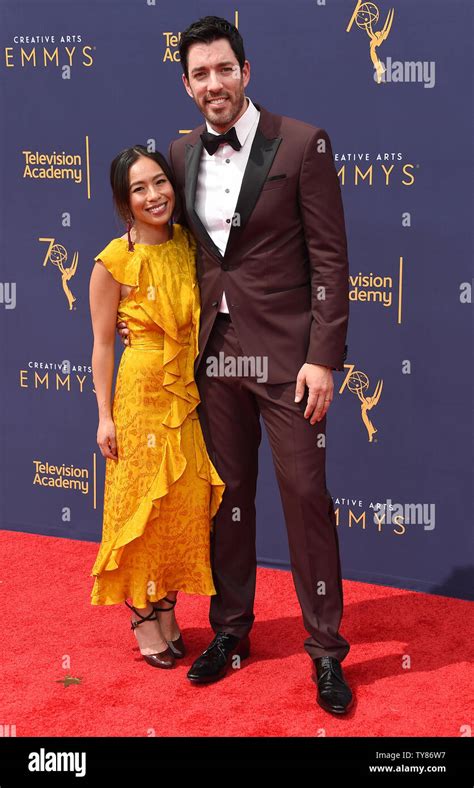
[162,493]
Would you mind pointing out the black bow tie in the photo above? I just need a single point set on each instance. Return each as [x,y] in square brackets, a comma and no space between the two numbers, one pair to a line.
[211,142]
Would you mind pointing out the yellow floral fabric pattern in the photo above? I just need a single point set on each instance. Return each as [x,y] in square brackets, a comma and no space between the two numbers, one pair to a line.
[163,492]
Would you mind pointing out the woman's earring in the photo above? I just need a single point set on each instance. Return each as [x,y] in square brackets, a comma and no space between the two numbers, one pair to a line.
[131,247]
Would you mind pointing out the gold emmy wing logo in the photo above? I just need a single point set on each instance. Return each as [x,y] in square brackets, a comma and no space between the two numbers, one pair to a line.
[57,255]
[365,15]
[358,382]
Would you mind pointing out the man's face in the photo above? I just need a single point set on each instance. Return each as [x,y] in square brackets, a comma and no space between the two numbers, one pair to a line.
[217,83]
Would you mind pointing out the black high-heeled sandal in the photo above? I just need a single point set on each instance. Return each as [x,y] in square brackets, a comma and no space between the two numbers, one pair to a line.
[163,659]
[177,646]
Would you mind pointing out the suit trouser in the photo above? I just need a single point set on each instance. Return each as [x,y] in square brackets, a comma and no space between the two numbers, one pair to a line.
[230,416]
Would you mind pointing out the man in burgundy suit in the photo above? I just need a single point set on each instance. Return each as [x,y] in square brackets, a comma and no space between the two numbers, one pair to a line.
[261,195]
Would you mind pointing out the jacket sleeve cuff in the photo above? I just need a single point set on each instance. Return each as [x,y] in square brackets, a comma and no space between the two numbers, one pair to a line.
[318,358]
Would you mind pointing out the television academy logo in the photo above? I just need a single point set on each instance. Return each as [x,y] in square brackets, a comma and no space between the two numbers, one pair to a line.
[76,479]
[66,477]
[59,166]
[379,289]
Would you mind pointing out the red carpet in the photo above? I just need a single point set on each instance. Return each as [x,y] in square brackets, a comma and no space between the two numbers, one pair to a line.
[47,618]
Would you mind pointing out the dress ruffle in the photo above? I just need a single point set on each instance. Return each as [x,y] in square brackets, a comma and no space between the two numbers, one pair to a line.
[124,266]
[171,468]
[179,349]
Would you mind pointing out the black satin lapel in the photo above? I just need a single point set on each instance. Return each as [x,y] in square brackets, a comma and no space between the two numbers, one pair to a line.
[261,157]
[192,159]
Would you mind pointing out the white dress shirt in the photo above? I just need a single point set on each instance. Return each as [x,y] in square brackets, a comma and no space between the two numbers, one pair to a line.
[220,179]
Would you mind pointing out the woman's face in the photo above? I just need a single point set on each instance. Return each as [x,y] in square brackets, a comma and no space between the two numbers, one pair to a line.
[151,195]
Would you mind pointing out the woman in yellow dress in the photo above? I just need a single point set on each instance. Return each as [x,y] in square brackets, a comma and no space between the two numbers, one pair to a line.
[161,489]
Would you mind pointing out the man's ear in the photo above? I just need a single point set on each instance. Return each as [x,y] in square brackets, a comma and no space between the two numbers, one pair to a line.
[246,73]
[186,86]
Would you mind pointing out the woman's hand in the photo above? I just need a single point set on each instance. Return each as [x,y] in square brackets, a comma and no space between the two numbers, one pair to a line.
[106,439]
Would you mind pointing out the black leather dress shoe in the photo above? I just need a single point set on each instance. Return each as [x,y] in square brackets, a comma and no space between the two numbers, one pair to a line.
[334,695]
[214,662]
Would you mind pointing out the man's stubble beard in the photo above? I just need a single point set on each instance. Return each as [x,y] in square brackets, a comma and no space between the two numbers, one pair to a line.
[228,119]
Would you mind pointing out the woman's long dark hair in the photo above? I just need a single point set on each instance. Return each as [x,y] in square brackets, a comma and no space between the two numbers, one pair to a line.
[119,178]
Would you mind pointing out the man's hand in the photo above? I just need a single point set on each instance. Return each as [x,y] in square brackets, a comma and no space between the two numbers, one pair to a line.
[320,383]
[123,333]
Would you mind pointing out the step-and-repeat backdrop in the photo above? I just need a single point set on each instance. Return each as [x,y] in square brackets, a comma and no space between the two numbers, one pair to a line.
[390,82]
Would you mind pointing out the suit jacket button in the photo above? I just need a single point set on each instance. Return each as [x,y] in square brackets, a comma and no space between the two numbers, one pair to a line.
[225,267]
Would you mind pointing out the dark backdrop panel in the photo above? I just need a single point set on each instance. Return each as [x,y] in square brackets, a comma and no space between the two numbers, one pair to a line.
[410,244]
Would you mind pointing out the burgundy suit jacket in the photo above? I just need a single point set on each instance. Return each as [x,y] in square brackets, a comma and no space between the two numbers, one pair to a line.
[285,268]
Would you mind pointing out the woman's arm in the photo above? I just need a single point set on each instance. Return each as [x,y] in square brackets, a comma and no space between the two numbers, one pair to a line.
[104,297]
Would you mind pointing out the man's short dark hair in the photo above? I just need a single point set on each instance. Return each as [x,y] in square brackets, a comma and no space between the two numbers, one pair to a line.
[207,29]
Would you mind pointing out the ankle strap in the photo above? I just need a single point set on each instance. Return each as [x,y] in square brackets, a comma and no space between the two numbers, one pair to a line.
[165,609]
[150,617]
